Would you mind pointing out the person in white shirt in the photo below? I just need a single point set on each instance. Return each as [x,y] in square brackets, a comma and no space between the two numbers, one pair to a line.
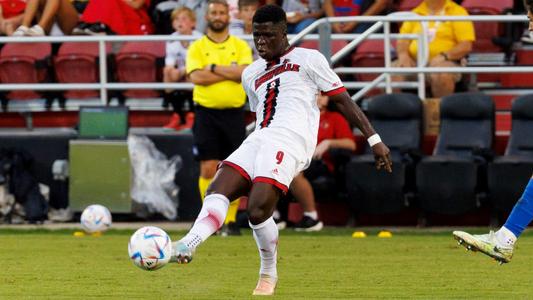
[282,87]
[183,22]
[243,24]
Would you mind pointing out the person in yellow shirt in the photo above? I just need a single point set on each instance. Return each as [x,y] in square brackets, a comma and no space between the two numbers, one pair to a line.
[214,64]
[449,43]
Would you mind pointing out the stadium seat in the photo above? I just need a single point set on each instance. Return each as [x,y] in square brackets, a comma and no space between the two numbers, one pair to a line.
[487,31]
[77,62]
[452,180]
[25,63]
[140,62]
[516,165]
[398,120]
[368,54]
[336,45]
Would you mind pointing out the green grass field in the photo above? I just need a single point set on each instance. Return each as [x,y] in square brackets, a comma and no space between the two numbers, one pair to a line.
[39,264]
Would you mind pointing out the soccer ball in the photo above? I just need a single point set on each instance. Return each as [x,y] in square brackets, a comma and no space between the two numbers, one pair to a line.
[95,218]
[150,248]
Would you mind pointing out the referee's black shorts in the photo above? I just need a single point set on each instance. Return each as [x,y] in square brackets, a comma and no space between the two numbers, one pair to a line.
[217,132]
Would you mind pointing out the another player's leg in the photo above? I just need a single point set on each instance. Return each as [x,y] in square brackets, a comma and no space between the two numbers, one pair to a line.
[302,191]
[227,184]
[500,244]
[261,204]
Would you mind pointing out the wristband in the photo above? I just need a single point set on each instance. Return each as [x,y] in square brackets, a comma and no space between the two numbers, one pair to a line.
[212,68]
[374,139]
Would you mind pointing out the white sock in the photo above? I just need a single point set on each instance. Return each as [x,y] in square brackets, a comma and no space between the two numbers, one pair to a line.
[311,214]
[266,237]
[505,237]
[209,220]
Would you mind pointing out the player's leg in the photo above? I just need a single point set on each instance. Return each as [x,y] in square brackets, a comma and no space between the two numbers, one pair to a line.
[261,204]
[231,181]
[227,184]
[207,146]
[443,84]
[302,191]
[276,166]
[234,127]
[500,244]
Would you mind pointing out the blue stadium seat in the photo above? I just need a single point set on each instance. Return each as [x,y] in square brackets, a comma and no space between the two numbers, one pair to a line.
[398,120]
[453,178]
[509,174]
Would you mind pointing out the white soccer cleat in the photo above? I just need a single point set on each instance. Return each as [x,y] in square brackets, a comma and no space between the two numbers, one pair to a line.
[485,243]
[265,286]
[21,31]
[181,254]
[36,30]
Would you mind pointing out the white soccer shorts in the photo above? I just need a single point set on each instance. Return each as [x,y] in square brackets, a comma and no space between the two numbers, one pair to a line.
[266,157]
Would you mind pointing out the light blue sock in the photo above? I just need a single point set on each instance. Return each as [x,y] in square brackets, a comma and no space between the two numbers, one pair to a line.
[522,213]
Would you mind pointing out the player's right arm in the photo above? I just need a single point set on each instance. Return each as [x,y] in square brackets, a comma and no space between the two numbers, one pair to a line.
[330,84]
[355,115]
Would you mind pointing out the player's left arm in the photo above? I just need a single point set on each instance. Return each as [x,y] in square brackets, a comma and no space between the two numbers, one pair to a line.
[460,50]
[355,116]
[232,72]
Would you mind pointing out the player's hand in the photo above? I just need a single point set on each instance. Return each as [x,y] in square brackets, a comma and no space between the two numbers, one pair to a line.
[321,149]
[382,157]
[337,27]
[405,61]
[295,18]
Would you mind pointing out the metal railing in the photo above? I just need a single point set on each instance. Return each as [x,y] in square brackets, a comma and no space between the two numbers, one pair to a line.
[324,37]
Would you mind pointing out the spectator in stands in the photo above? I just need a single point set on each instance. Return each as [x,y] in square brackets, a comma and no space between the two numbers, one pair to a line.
[343,8]
[199,7]
[243,24]
[122,17]
[11,14]
[449,44]
[300,13]
[183,22]
[45,13]
[334,132]
[214,64]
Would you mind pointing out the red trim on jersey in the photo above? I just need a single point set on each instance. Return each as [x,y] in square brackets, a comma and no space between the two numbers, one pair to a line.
[335,91]
[238,169]
[273,182]
[270,102]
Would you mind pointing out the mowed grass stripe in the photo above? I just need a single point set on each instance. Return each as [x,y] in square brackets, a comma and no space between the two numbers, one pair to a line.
[329,265]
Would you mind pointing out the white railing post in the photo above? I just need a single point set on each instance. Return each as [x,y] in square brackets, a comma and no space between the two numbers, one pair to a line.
[387,49]
[324,41]
[103,71]
[420,63]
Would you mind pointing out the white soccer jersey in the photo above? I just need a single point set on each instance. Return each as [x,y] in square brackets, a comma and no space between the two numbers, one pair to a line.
[176,53]
[283,94]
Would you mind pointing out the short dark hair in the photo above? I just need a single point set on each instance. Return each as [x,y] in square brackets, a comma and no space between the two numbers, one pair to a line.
[243,3]
[271,13]
[223,2]
[528,4]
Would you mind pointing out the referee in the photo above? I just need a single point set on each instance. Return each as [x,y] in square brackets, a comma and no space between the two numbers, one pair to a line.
[214,64]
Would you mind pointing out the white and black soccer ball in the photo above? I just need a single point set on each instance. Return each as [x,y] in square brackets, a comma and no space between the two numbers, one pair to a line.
[95,218]
[150,248]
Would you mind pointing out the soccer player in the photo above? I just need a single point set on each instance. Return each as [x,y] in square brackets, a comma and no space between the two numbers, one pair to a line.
[500,244]
[282,88]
